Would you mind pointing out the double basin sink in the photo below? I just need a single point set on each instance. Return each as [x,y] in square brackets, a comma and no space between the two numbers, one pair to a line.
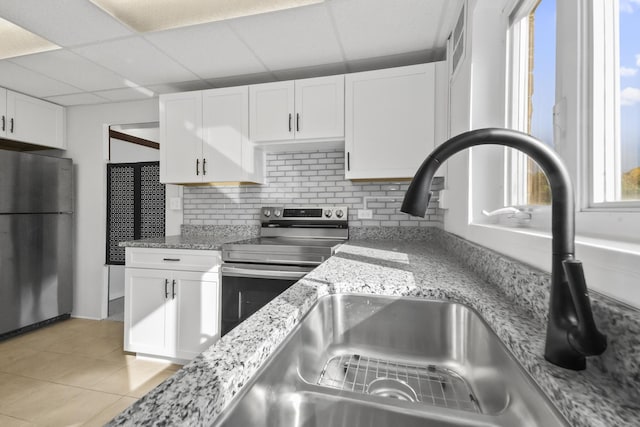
[357,360]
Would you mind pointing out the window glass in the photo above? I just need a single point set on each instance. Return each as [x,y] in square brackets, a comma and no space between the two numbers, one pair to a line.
[542,75]
[629,57]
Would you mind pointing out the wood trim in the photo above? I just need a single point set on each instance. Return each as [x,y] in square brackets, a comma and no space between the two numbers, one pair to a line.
[8,144]
[133,139]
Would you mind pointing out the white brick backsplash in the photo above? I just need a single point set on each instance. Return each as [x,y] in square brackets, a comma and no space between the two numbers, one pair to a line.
[305,178]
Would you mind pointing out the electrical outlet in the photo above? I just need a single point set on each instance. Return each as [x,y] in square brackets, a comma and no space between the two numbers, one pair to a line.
[365,214]
[175,203]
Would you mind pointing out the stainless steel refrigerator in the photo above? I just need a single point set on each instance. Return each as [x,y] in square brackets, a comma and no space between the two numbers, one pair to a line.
[36,213]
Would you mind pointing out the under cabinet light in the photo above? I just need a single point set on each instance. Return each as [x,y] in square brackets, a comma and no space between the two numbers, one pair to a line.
[16,41]
[154,15]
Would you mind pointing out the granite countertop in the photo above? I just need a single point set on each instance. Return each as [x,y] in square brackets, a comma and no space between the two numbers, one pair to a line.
[213,243]
[199,391]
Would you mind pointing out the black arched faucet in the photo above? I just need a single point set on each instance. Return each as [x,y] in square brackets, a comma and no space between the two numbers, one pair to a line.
[571,331]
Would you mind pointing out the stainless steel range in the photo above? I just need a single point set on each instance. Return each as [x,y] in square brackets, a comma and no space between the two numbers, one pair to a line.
[292,242]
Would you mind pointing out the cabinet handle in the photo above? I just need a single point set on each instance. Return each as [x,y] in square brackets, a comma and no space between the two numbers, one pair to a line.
[11,129]
[173,289]
[348,161]
[297,122]
[4,120]
[240,305]
[166,288]
[289,122]
[204,166]
[197,166]
[171,259]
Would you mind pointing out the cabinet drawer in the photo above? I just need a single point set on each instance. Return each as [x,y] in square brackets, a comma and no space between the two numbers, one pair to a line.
[173,259]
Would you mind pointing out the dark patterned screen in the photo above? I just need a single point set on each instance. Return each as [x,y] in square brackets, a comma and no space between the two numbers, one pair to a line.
[135,205]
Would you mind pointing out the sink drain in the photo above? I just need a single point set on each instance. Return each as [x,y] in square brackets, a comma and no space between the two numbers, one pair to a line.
[428,384]
[395,389]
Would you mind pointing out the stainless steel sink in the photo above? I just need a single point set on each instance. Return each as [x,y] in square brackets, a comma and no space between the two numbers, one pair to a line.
[358,360]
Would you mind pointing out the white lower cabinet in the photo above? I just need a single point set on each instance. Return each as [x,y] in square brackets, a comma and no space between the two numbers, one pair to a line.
[171,313]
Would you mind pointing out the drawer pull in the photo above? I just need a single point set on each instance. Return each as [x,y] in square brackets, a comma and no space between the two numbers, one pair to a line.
[171,259]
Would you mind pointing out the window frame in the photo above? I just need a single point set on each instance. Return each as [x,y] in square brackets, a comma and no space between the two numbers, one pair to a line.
[583,112]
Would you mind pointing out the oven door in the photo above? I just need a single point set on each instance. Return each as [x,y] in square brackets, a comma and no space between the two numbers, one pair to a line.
[248,287]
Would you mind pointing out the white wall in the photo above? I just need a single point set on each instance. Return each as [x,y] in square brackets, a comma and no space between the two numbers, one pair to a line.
[128,152]
[478,100]
[86,137]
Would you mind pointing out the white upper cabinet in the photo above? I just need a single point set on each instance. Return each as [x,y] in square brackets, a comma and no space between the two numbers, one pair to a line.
[27,119]
[319,108]
[389,121]
[180,139]
[309,109]
[227,150]
[271,111]
[204,138]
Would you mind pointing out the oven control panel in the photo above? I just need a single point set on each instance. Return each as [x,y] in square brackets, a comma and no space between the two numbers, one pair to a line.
[302,214]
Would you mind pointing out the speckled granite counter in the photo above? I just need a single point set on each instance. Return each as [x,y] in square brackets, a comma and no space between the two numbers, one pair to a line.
[198,392]
[198,242]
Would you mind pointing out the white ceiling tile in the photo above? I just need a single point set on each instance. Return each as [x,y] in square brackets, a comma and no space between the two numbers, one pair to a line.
[103,56]
[374,28]
[295,38]
[180,87]
[209,50]
[64,22]
[73,69]
[126,94]
[77,99]
[137,60]
[20,79]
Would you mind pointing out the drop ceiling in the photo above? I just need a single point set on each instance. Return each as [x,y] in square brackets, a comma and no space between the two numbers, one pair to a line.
[101,60]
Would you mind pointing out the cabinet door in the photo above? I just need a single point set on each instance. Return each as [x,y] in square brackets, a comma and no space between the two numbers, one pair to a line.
[4,120]
[34,121]
[197,322]
[389,123]
[225,121]
[319,104]
[146,306]
[180,139]
[271,111]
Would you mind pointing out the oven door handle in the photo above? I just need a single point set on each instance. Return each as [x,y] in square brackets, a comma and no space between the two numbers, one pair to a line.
[265,274]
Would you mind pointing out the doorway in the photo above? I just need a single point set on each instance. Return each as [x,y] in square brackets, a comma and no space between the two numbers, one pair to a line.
[135,200]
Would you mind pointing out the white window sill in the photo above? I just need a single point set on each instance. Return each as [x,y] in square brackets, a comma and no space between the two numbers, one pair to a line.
[596,242]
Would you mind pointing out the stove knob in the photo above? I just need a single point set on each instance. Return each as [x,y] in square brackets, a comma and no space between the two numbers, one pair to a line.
[328,213]
[339,213]
[277,212]
[266,213]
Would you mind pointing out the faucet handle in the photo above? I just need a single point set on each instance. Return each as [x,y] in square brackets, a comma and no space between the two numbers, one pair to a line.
[585,336]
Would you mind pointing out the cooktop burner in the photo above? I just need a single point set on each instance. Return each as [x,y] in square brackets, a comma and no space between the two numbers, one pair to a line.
[297,236]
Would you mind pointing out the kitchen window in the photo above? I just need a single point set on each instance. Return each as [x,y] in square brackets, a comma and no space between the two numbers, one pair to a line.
[578,90]
[616,104]
[533,37]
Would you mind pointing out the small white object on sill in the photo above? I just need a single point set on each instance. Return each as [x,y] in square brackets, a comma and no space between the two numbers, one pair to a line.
[510,215]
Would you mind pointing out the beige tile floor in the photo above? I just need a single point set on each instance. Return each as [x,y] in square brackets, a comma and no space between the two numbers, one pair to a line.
[72,373]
